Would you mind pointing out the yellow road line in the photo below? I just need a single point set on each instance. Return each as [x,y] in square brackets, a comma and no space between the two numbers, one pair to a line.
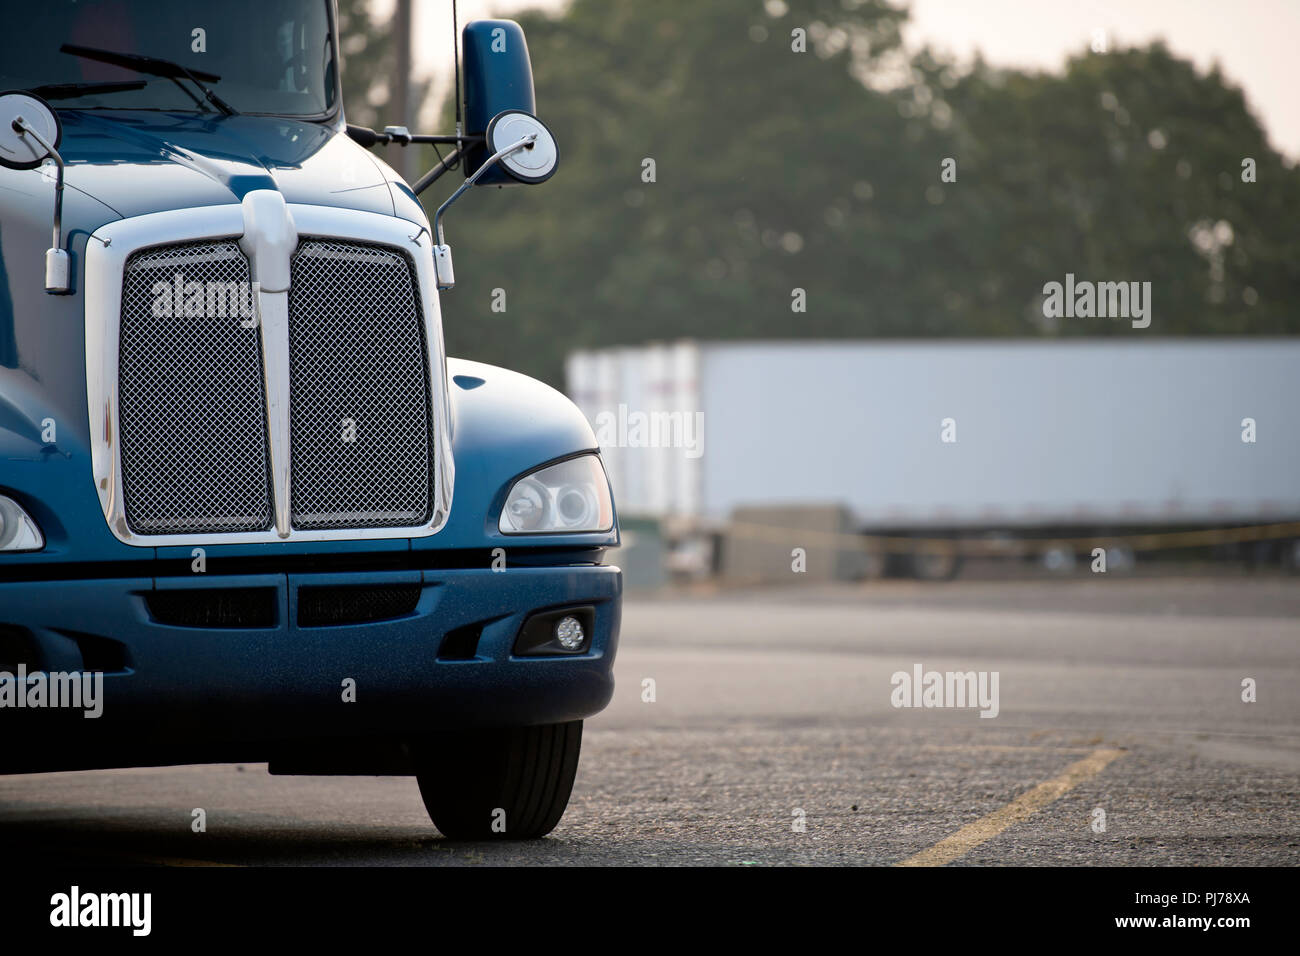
[1017,811]
[134,859]
[180,861]
[1006,748]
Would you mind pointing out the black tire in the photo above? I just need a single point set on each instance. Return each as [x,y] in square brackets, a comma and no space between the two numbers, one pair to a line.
[527,772]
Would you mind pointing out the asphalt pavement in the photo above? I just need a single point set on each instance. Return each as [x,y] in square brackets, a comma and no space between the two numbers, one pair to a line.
[769,735]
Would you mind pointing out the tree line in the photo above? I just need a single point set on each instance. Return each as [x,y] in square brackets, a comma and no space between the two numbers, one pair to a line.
[738,169]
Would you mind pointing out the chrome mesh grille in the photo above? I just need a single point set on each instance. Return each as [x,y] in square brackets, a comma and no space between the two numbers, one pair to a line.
[359,409]
[192,412]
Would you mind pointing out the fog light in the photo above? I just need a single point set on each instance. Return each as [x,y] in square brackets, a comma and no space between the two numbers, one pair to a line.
[569,633]
[557,632]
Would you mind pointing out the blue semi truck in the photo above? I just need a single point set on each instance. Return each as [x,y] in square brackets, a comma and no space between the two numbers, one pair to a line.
[249,509]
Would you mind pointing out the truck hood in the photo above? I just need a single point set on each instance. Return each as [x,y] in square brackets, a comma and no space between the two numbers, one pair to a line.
[183,160]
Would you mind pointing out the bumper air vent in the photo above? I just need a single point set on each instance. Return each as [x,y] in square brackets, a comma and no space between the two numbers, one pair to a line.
[332,607]
[244,608]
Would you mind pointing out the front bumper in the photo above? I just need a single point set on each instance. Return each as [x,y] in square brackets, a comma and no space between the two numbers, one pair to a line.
[191,694]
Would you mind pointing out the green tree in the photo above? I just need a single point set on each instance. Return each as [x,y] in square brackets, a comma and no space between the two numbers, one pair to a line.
[821,170]
[369,56]
[366,47]
[741,137]
[1127,166]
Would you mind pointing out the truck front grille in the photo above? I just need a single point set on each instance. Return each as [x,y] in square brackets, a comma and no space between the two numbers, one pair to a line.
[360,395]
[192,409]
[192,416]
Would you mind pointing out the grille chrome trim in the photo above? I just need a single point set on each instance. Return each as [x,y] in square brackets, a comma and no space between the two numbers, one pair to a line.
[107,252]
[269,240]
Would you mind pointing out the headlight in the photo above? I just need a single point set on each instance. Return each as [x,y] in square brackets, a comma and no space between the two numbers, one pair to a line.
[18,532]
[572,496]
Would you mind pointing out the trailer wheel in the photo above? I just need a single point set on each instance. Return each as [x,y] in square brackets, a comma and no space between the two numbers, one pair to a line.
[934,562]
[1291,555]
[1058,557]
[1260,554]
[864,563]
[502,784]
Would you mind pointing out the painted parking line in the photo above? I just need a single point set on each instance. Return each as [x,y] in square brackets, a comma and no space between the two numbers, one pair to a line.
[1017,811]
[108,857]
[176,861]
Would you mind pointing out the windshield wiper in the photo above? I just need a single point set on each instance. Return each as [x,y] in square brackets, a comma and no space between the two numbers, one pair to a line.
[64,91]
[155,66]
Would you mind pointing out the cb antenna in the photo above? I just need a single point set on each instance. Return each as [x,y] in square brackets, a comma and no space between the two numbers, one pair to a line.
[455,59]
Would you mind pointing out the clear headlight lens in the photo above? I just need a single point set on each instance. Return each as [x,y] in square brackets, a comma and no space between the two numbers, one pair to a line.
[572,496]
[18,532]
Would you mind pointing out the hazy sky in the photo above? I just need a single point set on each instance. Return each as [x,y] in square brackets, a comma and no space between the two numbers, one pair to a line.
[1253,40]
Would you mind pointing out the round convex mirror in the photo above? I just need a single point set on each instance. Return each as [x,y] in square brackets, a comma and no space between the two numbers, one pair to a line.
[534,163]
[20,150]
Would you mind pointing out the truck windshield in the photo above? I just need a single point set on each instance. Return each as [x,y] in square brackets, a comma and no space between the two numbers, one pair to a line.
[269,56]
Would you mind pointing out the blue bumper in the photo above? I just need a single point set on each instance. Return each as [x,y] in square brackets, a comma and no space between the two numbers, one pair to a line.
[197,694]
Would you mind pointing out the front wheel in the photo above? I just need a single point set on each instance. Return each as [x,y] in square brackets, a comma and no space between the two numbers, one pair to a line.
[501,784]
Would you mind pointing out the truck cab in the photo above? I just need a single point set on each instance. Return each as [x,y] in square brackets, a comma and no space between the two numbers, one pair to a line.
[250,511]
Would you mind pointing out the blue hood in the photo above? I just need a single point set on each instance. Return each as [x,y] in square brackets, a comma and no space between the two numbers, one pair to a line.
[195,160]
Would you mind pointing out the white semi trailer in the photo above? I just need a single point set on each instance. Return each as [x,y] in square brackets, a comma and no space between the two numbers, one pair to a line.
[960,441]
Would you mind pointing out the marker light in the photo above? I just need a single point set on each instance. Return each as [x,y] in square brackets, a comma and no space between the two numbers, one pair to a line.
[18,532]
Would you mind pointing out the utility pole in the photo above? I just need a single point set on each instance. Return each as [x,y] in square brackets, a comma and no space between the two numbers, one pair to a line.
[402,158]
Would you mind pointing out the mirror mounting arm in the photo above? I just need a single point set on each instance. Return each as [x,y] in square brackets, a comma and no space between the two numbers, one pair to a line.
[444,165]
[442,251]
[56,257]
[400,136]
[514,147]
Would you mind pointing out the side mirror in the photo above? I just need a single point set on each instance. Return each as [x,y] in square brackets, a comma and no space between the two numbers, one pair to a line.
[536,162]
[22,114]
[30,132]
[525,147]
[498,79]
